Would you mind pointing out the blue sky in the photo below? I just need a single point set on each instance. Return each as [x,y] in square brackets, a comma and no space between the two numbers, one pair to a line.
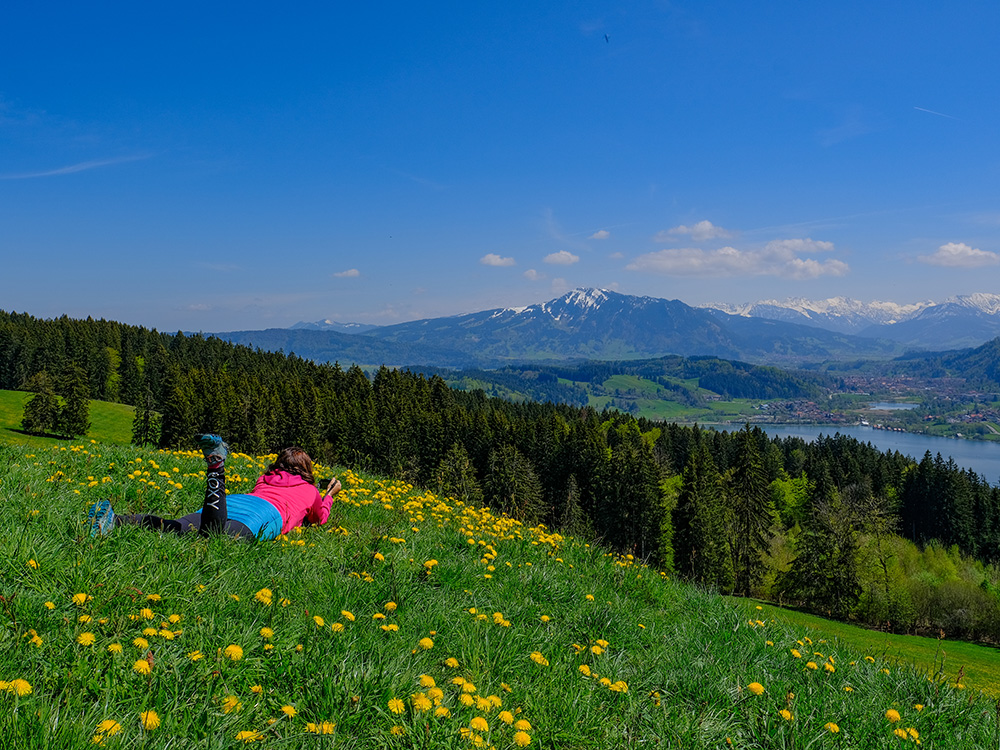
[237,166]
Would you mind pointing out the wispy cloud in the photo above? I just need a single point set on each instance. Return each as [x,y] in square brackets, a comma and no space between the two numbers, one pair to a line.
[492,259]
[703,230]
[74,168]
[932,112]
[562,258]
[602,234]
[350,273]
[778,258]
[960,255]
[532,275]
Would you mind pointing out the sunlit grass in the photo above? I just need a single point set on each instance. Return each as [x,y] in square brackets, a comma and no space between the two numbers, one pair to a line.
[109,423]
[407,621]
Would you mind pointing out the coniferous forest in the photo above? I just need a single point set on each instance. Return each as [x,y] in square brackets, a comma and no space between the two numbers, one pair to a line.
[835,526]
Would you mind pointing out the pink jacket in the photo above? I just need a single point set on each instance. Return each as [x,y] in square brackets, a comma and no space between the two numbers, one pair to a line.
[295,499]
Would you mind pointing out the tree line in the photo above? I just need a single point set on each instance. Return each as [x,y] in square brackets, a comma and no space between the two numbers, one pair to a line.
[817,524]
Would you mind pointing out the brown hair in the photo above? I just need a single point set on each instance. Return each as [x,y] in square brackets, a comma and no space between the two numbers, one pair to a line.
[294,460]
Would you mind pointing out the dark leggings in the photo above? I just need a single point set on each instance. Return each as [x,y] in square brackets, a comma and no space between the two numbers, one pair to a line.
[211,519]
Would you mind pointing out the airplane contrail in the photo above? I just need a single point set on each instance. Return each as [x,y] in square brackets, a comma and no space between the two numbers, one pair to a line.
[939,114]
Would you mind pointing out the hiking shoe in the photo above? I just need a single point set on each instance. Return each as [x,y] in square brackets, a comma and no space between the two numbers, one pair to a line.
[102,518]
[213,447]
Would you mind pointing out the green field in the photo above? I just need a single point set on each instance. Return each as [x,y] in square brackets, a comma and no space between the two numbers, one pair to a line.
[109,423]
[409,621]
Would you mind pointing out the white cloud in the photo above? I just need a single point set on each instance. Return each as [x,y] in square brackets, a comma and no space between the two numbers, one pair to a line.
[492,259]
[562,258]
[960,255]
[777,258]
[532,275]
[617,256]
[74,168]
[350,273]
[603,234]
[703,230]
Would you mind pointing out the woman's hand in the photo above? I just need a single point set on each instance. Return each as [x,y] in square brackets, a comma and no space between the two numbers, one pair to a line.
[333,487]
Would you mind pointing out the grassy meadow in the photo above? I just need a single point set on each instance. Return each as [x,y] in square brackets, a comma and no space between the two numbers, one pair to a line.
[407,621]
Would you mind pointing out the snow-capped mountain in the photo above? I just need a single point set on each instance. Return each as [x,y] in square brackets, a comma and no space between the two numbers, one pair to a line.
[332,325]
[835,314]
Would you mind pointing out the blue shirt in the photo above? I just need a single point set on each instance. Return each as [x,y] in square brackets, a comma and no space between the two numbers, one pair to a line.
[257,514]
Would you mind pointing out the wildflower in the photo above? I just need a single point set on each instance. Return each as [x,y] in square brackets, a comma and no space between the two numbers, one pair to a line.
[619,687]
[545,618]
[50,605]
[421,702]
[109,727]
[18,686]
[149,632]
[756,688]
[324,727]
[256,689]
[396,705]
[231,703]
[150,720]
[379,557]
[479,724]
[848,689]
[901,733]
[466,700]
[596,650]
[506,717]
[786,714]
[430,564]
[522,739]
[452,662]
[829,667]
[536,656]
[266,633]
[36,640]
[168,634]
[427,681]
[442,712]
[796,654]
[146,613]
[483,704]
[33,564]
[426,644]
[320,622]
[892,715]
[347,615]
[918,706]
[141,667]
[80,599]
[85,639]
[247,736]
[264,597]
[337,627]
[234,652]
[289,711]
[397,731]
[522,725]
[831,727]
[584,670]
[378,616]
[590,597]
[195,655]
[811,665]
[174,619]
[390,606]
[914,734]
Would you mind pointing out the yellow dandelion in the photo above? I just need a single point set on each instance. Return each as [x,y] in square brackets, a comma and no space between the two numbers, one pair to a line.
[466,700]
[195,655]
[479,724]
[831,727]
[337,627]
[17,686]
[796,654]
[756,688]
[848,689]
[522,725]
[914,734]
[264,596]
[109,727]
[421,702]
[452,662]
[234,652]
[266,633]
[84,618]
[918,706]
[256,689]
[146,613]
[892,715]
[289,711]
[584,670]
[347,615]
[522,739]
[81,599]
[379,557]
[829,667]
[50,605]
[141,667]
[442,712]
[545,618]
[786,714]
[33,564]
[426,644]
[150,720]
[506,717]
[231,703]
[320,622]
[247,736]
[811,665]
[396,705]
[427,681]
[85,639]
[390,606]
[397,731]
[901,733]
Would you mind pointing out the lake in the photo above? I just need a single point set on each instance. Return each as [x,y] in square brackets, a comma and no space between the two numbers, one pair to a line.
[980,456]
[891,406]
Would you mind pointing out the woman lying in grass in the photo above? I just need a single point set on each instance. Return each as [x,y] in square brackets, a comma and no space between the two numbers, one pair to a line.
[284,497]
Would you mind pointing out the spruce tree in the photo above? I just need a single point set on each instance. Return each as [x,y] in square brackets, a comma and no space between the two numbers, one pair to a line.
[512,485]
[456,476]
[146,423]
[749,514]
[74,416]
[699,533]
[42,410]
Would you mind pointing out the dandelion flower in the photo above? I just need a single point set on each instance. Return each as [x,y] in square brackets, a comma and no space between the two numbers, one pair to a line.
[50,605]
[918,706]
[452,662]
[289,711]
[337,627]
[596,650]
[85,639]
[831,727]
[584,670]
[231,703]
[247,736]
[811,665]
[590,597]
[234,652]
[266,633]
[442,712]
[195,655]
[426,644]
[33,564]
[427,681]
[19,686]
[796,654]
[466,700]
[397,731]
[545,618]
[786,714]
[479,724]
[324,727]
[256,689]
[506,717]
[421,702]
[146,613]
[848,689]
[522,739]
[892,715]
[347,615]
[756,688]
[390,606]
[109,727]
[396,705]
[150,720]
[914,734]
[141,667]
[522,725]
[114,648]
[264,597]
[320,622]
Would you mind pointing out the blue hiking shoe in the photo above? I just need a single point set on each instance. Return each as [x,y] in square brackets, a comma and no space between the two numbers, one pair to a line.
[214,448]
[102,518]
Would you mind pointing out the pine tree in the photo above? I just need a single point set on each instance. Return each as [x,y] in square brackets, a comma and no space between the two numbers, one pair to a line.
[749,514]
[146,423]
[512,485]
[42,410]
[74,416]
[699,533]
[456,477]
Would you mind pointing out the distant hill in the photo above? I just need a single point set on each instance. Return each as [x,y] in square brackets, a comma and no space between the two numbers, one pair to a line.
[961,321]
[332,325]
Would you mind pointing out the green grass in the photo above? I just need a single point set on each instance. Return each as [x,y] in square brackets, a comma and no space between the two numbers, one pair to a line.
[979,664]
[514,611]
[109,423]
